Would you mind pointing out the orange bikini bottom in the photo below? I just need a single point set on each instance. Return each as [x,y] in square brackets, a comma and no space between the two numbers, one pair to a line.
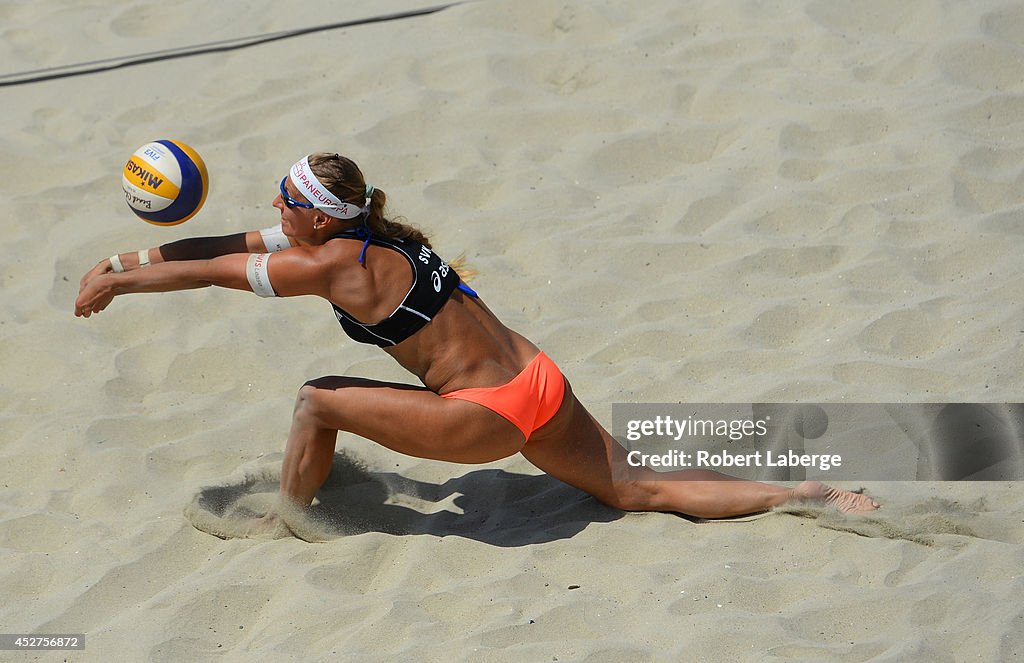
[528,401]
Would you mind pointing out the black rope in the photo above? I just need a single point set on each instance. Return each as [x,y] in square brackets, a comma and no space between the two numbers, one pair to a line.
[108,64]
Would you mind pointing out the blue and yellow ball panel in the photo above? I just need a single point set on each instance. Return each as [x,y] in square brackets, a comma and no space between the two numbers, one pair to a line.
[165,182]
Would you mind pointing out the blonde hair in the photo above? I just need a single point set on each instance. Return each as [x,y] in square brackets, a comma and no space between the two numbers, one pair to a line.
[342,176]
[344,179]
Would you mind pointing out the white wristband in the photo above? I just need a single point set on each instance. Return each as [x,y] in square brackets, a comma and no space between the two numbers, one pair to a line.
[274,239]
[115,262]
[256,272]
[143,257]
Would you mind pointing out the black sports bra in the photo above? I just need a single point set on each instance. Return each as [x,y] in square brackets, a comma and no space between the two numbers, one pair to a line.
[433,282]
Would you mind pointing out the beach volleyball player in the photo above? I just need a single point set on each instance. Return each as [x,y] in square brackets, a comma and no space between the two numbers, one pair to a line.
[487,393]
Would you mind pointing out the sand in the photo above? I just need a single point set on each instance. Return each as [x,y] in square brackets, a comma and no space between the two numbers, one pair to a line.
[678,201]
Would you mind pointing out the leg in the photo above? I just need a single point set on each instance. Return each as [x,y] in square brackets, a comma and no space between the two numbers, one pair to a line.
[575,448]
[410,420]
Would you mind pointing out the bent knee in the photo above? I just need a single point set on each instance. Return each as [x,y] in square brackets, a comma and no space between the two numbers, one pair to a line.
[306,396]
[310,400]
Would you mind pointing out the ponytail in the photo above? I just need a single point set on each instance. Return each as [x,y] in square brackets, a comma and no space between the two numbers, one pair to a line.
[342,176]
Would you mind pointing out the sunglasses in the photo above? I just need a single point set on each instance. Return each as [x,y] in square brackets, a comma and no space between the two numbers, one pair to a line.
[291,202]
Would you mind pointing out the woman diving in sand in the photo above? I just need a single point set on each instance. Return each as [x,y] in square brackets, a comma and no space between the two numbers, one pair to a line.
[487,393]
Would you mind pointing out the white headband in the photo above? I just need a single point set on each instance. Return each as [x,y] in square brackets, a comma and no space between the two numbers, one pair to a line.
[309,186]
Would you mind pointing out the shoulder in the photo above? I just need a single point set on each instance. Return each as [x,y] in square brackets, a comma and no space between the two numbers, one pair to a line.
[338,249]
[335,252]
[312,269]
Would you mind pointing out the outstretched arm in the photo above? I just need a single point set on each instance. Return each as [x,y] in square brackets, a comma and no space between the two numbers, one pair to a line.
[299,271]
[98,291]
[195,248]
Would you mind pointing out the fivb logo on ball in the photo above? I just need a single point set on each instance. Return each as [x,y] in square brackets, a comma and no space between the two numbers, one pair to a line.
[165,182]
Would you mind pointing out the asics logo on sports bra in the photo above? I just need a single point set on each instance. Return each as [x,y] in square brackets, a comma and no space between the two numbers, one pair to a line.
[443,269]
[439,273]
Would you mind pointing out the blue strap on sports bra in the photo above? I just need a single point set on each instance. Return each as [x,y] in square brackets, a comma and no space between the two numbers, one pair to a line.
[432,284]
[363,232]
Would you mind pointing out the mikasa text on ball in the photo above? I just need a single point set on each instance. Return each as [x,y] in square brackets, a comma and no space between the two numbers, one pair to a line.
[165,182]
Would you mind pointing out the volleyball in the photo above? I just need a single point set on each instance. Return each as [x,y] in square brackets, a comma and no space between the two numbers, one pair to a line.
[165,182]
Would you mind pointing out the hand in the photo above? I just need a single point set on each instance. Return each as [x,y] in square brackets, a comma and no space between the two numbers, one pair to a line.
[95,295]
[103,267]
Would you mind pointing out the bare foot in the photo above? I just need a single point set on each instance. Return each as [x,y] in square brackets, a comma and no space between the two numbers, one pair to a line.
[845,500]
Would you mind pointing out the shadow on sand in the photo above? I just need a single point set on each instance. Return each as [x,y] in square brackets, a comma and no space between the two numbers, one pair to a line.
[492,506]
